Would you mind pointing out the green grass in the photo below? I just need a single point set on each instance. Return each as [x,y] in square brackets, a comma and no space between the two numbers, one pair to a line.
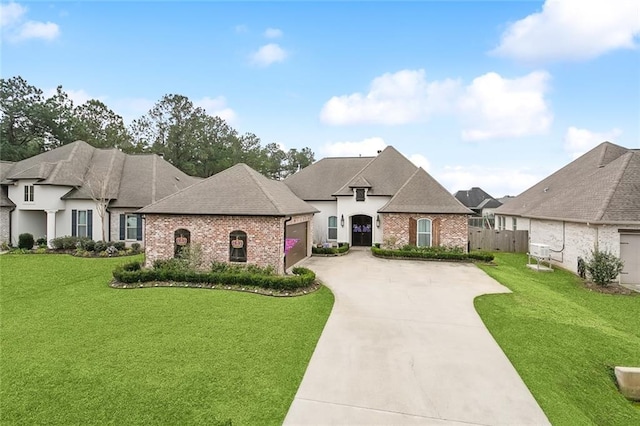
[75,351]
[564,340]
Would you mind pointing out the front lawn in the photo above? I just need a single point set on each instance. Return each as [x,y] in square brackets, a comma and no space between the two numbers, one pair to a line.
[75,351]
[564,340]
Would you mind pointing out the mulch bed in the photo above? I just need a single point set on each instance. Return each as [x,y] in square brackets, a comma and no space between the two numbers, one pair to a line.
[612,288]
[246,289]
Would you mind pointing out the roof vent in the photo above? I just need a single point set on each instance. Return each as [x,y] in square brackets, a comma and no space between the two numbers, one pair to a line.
[546,189]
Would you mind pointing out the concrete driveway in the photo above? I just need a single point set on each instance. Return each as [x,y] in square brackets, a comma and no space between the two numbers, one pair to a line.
[405,346]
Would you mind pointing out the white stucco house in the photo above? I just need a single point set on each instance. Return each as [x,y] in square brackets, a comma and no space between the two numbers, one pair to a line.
[384,199]
[592,201]
[83,191]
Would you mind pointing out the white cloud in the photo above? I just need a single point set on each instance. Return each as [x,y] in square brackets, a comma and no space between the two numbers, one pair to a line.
[11,14]
[365,148]
[273,33]
[498,107]
[268,54]
[398,98]
[572,30]
[496,181]
[420,161]
[15,29]
[491,106]
[217,107]
[578,141]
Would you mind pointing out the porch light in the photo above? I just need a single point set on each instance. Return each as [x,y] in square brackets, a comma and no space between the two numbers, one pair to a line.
[378,221]
[342,220]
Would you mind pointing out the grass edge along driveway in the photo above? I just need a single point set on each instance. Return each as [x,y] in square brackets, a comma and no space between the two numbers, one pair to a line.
[75,351]
[564,341]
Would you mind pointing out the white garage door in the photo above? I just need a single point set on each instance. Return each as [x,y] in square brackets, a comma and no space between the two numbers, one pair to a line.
[630,255]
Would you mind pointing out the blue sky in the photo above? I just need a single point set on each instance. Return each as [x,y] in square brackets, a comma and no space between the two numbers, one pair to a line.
[491,94]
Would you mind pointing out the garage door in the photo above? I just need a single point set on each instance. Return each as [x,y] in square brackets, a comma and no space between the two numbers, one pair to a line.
[630,255]
[295,244]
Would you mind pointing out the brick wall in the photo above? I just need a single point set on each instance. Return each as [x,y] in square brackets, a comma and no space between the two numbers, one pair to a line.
[264,237]
[454,230]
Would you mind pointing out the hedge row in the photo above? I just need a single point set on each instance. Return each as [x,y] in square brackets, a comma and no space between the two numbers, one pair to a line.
[342,248]
[133,273]
[423,254]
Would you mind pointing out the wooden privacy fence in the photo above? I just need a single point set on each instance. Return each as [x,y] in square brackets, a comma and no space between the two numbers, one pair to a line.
[493,240]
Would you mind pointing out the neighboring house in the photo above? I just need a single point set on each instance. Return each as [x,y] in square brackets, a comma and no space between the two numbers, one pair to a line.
[236,216]
[482,204]
[83,191]
[593,201]
[384,199]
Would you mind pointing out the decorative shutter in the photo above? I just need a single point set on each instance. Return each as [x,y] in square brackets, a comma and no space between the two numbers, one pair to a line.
[413,231]
[435,232]
[90,224]
[123,223]
[74,222]
[139,228]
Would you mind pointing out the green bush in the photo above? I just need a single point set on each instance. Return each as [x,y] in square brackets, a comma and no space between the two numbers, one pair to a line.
[342,248]
[100,246]
[25,241]
[136,247]
[442,253]
[119,245]
[41,242]
[167,271]
[603,266]
[89,245]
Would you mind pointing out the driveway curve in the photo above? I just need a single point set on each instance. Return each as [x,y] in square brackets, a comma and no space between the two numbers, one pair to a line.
[404,345]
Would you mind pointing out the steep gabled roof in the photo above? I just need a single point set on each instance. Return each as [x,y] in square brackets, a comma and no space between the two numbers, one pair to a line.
[238,190]
[423,194]
[5,168]
[476,198]
[601,186]
[386,173]
[321,179]
[127,180]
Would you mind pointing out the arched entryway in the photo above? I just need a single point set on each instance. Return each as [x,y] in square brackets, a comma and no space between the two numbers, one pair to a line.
[361,230]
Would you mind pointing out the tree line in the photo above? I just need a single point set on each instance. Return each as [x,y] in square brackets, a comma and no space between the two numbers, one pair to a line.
[184,134]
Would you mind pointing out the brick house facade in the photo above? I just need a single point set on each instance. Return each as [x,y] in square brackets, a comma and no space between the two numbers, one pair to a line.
[448,230]
[264,237]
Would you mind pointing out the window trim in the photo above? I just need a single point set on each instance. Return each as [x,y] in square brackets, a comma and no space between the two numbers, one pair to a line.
[235,253]
[29,193]
[329,228]
[127,227]
[84,225]
[429,233]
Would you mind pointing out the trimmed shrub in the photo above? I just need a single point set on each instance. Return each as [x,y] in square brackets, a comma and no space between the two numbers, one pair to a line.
[100,246]
[89,245]
[136,247]
[603,266]
[442,253]
[119,245]
[128,274]
[41,242]
[342,248]
[25,241]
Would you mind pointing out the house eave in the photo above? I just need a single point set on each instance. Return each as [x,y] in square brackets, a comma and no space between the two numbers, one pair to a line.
[575,220]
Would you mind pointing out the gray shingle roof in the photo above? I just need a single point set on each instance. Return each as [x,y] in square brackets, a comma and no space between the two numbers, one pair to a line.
[386,173]
[129,180]
[5,169]
[601,186]
[322,179]
[236,191]
[423,194]
[476,198]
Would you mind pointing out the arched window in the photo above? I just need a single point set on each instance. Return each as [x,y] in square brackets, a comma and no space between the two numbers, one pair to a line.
[238,246]
[181,239]
[424,233]
[332,228]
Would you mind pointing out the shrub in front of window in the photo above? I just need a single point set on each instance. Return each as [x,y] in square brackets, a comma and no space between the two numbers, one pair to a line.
[136,247]
[603,266]
[100,246]
[25,241]
[119,245]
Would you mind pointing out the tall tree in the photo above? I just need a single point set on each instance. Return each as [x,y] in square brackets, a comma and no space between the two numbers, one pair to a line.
[99,126]
[58,120]
[297,160]
[21,129]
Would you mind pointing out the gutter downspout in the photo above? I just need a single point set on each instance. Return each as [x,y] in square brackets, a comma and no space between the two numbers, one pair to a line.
[284,244]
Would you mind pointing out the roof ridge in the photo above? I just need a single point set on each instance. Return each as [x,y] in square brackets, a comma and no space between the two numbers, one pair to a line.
[182,190]
[614,187]
[154,178]
[264,190]
[346,185]
[58,164]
